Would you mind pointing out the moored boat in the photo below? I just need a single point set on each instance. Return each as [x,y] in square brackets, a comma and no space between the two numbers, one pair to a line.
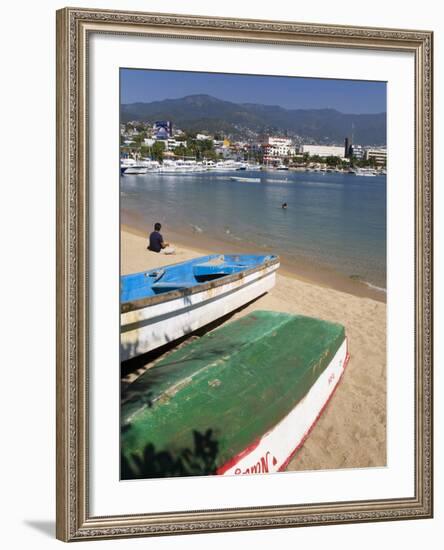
[245,180]
[135,169]
[240,400]
[161,305]
[368,172]
[226,165]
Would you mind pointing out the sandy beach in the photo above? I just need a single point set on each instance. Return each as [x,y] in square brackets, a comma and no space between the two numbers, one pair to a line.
[351,433]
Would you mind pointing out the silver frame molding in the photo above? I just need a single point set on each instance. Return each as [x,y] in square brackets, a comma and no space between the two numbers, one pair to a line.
[73,28]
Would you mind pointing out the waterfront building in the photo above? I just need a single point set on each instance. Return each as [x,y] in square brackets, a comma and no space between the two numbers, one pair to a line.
[279,142]
[278,149]
[358,152]
[323,150]
[280,146]
[379,155]
[172,143]
[169,143]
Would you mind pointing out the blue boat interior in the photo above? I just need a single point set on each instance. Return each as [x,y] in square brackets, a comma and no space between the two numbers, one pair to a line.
[185,275]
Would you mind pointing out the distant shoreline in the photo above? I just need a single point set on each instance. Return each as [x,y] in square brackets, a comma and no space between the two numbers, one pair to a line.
[300,269]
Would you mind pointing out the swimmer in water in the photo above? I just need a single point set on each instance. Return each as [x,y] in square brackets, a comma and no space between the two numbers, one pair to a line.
[284,205]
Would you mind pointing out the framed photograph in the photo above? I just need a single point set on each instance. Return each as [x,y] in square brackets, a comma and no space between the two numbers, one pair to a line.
[244,274]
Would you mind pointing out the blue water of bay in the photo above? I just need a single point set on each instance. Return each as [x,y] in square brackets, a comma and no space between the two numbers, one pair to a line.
[332,219]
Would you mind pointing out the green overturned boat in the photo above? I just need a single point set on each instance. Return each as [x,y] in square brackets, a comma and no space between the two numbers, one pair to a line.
[240,400]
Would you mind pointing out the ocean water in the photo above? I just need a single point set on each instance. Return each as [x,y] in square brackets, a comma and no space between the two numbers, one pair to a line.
[332,220]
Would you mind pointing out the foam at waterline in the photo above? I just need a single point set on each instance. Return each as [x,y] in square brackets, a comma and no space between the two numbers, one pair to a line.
[379,288]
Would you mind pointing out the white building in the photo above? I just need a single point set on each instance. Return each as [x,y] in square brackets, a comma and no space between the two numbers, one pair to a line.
[203,137]
[173,143]
[279,142]
[170,144]
[280,147]
[380,155]
[358,152]
[323,150]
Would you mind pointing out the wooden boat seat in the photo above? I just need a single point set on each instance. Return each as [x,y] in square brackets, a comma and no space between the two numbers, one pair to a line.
[209,269]
[168,286]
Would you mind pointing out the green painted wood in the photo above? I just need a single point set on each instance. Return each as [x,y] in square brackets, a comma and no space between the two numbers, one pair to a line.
[208,401]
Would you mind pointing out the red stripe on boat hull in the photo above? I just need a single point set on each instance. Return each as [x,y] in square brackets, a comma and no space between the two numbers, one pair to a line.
[300,444]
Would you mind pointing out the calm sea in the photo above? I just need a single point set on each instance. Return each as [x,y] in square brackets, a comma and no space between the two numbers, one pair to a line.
[334,220]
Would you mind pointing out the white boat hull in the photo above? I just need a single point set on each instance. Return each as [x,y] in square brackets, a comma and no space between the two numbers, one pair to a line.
[274,450]
[136,171]
[153,326]
[246,180]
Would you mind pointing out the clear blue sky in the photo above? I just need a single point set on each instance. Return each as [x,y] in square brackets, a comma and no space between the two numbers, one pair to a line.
[347,96]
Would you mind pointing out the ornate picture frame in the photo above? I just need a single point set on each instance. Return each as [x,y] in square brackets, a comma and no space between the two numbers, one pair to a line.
[74,28]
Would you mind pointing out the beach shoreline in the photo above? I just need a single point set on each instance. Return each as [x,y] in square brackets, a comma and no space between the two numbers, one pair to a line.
[300,269]
[351,432]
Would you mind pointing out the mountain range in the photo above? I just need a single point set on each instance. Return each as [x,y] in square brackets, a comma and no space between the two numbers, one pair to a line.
[205,113]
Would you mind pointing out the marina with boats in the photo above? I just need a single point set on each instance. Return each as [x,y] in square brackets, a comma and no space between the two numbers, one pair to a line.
[130,166]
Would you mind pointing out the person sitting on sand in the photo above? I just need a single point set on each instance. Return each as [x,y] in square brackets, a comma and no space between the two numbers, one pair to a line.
[156,242]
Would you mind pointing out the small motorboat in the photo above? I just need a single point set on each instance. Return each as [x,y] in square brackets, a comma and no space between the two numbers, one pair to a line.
[161,305]
[241,399]
[245,180]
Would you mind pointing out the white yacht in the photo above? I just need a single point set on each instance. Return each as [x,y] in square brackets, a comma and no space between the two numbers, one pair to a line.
[135,170]
[151,165]
[253,166]
[132,167]
[168,167]
[365,172]
[226,166]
